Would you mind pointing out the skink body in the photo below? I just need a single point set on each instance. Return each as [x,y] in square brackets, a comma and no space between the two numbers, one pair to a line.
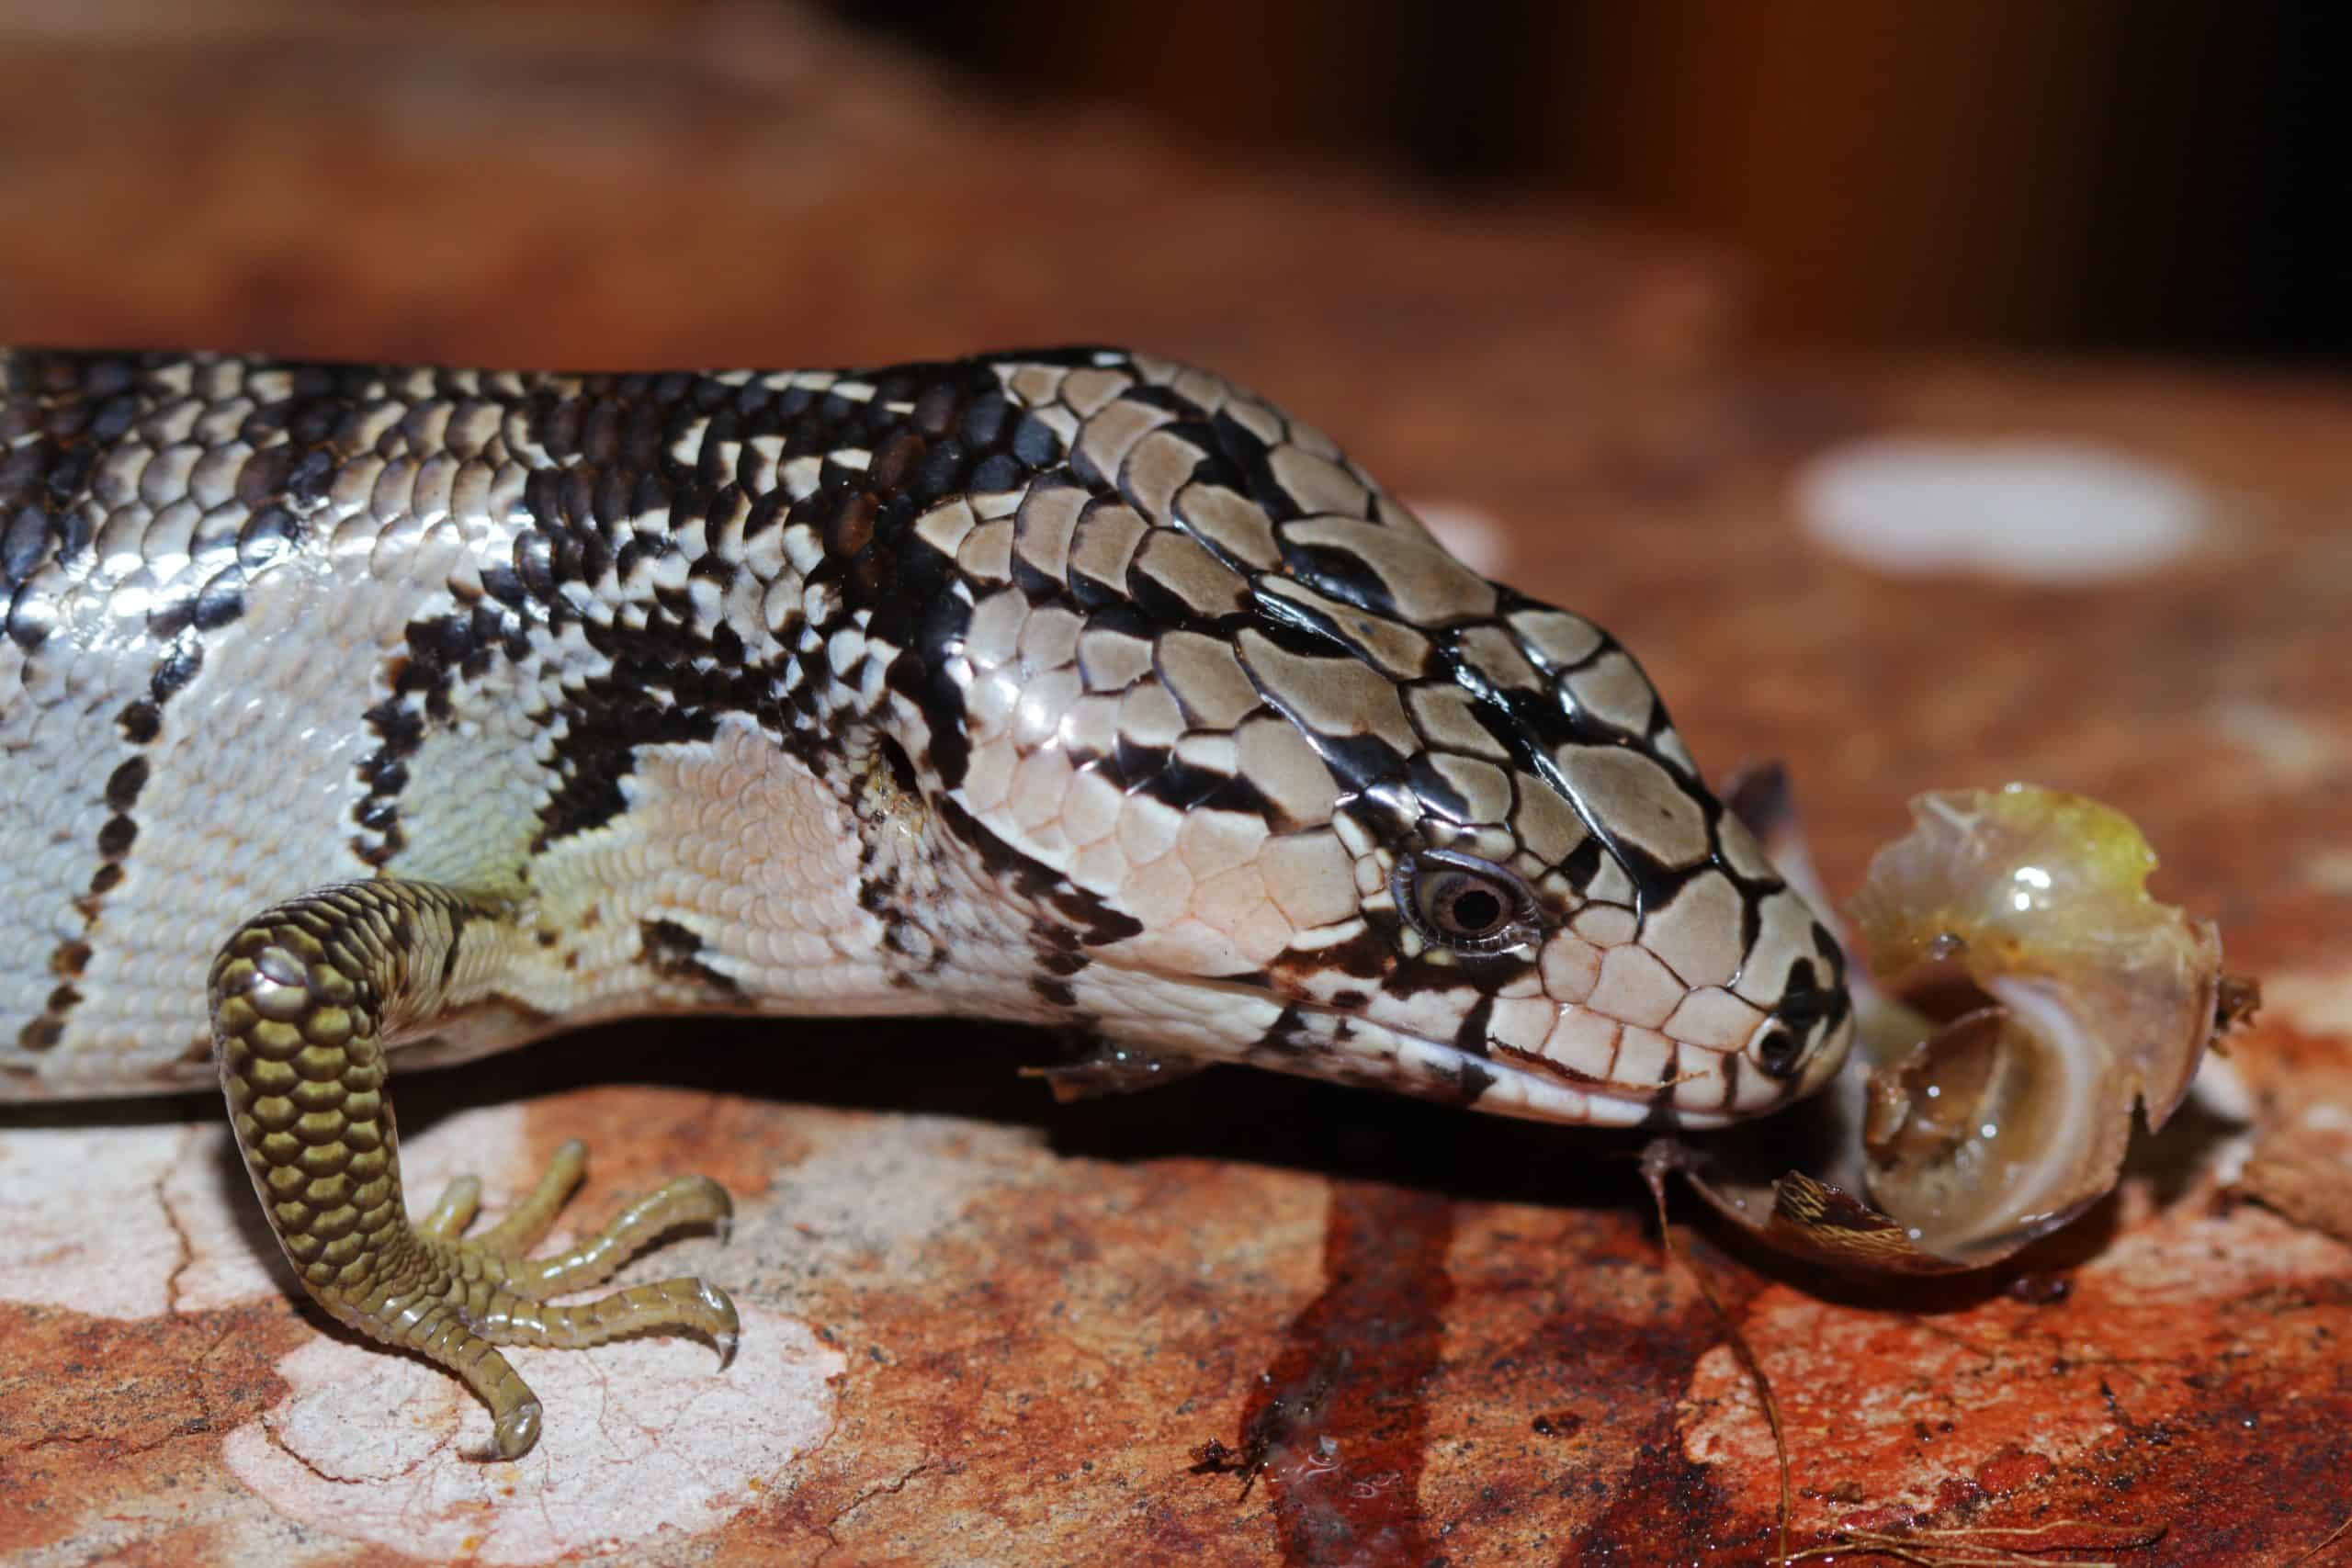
[356,713]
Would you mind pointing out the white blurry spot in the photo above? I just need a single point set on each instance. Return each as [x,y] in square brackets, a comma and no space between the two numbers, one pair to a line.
[2315,1001]
[640,1436]
[2292,750]
[2323,1116]
[2329,871]
[2220,1090]
[1477,537]
[2041,512]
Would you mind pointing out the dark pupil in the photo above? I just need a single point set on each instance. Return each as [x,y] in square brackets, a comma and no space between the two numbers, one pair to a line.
[1473,911]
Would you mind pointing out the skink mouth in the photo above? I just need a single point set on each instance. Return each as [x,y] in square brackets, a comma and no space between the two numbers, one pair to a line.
[1241,1019]
[1322,1040]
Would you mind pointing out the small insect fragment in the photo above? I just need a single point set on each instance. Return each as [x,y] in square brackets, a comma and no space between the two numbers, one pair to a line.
[2239,1000]
[1213,1457]
[1276,1425]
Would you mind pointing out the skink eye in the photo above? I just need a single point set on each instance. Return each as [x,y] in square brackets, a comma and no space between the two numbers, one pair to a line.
[1460,902]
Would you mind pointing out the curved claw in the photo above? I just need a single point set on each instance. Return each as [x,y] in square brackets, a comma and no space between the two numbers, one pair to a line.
[516,1434]
[727,1331]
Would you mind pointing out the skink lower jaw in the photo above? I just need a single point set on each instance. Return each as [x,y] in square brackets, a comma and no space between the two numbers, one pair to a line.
[1347,1049]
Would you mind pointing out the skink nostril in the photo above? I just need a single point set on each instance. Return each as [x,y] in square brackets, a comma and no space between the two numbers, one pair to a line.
[1778,1049]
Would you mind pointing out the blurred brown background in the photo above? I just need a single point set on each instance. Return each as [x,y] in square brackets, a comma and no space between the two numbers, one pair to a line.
[2044,173]
[2089,174]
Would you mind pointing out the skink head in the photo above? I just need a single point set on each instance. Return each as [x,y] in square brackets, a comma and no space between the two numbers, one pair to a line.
[1286,783]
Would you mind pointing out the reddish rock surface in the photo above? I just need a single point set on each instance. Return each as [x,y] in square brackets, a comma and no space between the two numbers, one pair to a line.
[1001,1330]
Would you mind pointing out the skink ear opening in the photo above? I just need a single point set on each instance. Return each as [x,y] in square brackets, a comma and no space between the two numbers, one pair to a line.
[901,766]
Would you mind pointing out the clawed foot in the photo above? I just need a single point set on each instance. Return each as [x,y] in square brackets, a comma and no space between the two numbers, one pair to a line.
[301,997]
[491,1293]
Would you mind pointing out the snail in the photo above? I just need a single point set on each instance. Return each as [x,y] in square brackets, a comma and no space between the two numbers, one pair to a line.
[2025,994]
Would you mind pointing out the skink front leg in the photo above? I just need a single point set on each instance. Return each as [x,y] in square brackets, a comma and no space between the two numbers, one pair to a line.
[304,1000]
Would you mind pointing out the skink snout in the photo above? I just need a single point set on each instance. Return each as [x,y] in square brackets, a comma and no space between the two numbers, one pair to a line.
[1805,1037]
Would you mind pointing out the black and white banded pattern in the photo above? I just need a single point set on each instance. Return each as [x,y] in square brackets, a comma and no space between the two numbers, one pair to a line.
[1075,686]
